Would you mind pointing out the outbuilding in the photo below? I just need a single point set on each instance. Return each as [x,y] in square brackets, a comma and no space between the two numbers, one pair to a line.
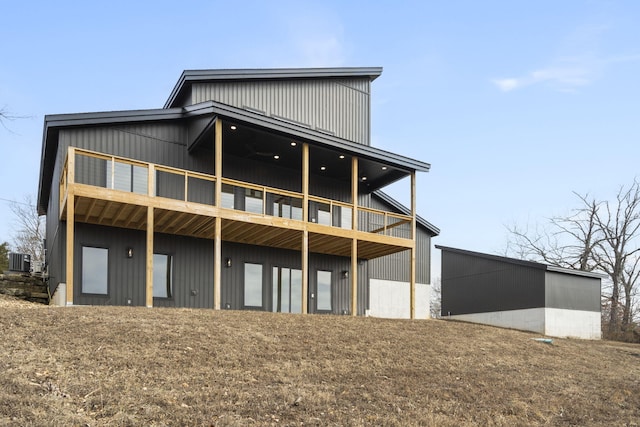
[512,293]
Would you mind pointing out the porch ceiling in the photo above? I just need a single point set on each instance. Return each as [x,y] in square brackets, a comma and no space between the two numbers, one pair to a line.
[250,142]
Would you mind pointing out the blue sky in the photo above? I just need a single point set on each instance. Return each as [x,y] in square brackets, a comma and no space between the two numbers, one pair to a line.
[516,104]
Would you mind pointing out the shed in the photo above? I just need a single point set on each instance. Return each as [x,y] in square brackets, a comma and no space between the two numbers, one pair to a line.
[525,295]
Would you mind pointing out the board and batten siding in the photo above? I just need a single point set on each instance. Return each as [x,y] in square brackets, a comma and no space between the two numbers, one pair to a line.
[339,107]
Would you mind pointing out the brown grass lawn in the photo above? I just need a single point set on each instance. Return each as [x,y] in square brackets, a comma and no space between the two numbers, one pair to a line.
[124,366]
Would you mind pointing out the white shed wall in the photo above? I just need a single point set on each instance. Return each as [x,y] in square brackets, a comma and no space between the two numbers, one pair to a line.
[553,322]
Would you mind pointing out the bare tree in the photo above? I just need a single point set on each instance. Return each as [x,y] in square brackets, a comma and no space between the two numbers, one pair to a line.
[597,236]
[29,229]
[567,241]
[617,249]
[435,302]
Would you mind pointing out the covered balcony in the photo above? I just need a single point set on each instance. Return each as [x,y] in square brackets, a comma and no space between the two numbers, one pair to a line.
[103,189]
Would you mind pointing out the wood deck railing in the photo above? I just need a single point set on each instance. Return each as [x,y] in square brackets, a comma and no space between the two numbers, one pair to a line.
[154,180]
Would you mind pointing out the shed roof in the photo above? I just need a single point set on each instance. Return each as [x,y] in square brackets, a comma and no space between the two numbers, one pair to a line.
[54,123]
[188,77]
[525,263]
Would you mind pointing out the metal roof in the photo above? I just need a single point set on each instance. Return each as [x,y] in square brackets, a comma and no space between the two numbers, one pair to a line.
[53,123]
[189,77]
[525,263]
[403,209]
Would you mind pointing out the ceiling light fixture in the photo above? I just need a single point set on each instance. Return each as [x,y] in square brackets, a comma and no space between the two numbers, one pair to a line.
[293,143]
[233,127]
[323,168]
[364,178]
[341,156]
[384,168]
[276,157]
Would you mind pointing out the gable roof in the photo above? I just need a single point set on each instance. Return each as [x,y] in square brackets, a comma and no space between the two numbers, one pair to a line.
[188,77]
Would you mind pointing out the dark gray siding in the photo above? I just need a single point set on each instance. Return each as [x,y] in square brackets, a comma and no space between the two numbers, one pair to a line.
[192,267]
[472,284]
[572,292]
[157,143]
[340,107]
[261,173]
[164,144]
[126,276]
[396,266]
[233,285]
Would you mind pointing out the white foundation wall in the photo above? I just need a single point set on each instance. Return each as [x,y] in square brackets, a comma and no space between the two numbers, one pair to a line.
[530,319]
[553,322]
[392,300]
[573,324]
[59,296]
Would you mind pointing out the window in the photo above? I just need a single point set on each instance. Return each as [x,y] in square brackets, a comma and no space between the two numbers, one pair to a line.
[127,177]
[287,290]
[253,285]
[253,201]
[288,207]
[162,276]
[345,217]
[95,270]
[323,283]
[323,214]
[227,196]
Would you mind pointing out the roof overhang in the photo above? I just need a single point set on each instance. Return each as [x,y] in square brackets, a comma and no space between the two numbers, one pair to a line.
[421,222]
[188,77]
[201,117]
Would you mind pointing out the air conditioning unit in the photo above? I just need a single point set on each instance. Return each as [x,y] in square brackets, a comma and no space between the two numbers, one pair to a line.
[19,262]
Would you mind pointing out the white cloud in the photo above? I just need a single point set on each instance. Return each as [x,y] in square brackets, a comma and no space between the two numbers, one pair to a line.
[567,74]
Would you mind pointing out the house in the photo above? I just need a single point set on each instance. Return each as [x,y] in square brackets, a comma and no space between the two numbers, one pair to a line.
[525,295]
[252,189]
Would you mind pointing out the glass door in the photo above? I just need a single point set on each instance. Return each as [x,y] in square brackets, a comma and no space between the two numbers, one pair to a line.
[287,290]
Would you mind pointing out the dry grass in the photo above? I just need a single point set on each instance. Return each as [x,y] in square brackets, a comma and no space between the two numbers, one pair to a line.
[125,366]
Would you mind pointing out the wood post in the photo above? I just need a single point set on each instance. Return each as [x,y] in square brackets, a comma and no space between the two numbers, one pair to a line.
[70,232]
[354,242]
[149,281]
[217,246]
[305,233]
[412,261]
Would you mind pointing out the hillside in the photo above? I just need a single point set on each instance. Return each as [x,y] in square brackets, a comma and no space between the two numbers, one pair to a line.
[125,366]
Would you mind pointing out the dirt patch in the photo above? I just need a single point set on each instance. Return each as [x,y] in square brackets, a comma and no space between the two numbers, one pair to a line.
[136,366]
